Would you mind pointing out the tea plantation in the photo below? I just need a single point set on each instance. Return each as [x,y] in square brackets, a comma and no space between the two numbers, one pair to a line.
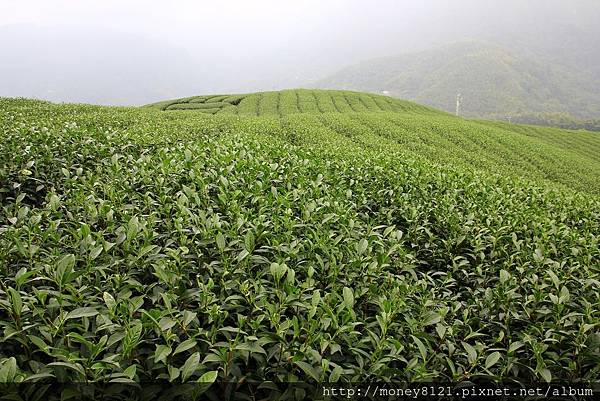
[294,236]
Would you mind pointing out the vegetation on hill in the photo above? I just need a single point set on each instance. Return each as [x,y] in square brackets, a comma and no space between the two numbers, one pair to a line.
[493,81]
[295,101]
[423,132]
[559,120]
[141,245]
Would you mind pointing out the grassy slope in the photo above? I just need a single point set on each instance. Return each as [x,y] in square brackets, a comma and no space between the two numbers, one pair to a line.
[493,81]
[569,158]
[383,245]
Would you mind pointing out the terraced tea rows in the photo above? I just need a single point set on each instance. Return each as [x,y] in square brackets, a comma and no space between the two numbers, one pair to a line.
[292,101]
[568,158]
[305,245]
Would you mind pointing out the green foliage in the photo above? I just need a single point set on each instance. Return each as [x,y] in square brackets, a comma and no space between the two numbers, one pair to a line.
[494,82]
[559,120]
[292,102]
[197,106]
[137,245]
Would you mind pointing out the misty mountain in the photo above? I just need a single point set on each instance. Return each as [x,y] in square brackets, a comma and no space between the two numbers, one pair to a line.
[93,66]
[113,52]
[492,80]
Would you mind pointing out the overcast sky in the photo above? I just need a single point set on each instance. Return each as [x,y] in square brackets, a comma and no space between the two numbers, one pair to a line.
[139,51]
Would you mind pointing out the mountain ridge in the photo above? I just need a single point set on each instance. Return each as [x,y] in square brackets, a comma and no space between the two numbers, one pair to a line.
[491,79]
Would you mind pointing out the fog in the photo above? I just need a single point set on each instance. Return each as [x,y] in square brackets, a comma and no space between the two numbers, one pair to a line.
[135,52]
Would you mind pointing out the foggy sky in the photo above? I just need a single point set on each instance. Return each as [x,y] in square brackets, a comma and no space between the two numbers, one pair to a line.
[135,52]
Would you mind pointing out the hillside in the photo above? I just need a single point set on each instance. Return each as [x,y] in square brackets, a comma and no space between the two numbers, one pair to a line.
[308,244]
[558,120]
[569,158]
[493,81]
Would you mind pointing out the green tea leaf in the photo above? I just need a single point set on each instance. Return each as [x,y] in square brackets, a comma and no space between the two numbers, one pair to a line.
[190,366]
[220,242]
[82,312]
[16,301]
[546,375]
[471,352]
[184,346]
[94,253]
[432,318]
[8,370]
[362,246]
[492,359]
[161,353]
[109,301]
[348,298]
[308,369]
[208,377]
[504,276]
[205,381]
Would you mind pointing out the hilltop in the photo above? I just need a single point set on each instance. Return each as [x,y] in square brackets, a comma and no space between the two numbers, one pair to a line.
[292,102]
[493,81]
